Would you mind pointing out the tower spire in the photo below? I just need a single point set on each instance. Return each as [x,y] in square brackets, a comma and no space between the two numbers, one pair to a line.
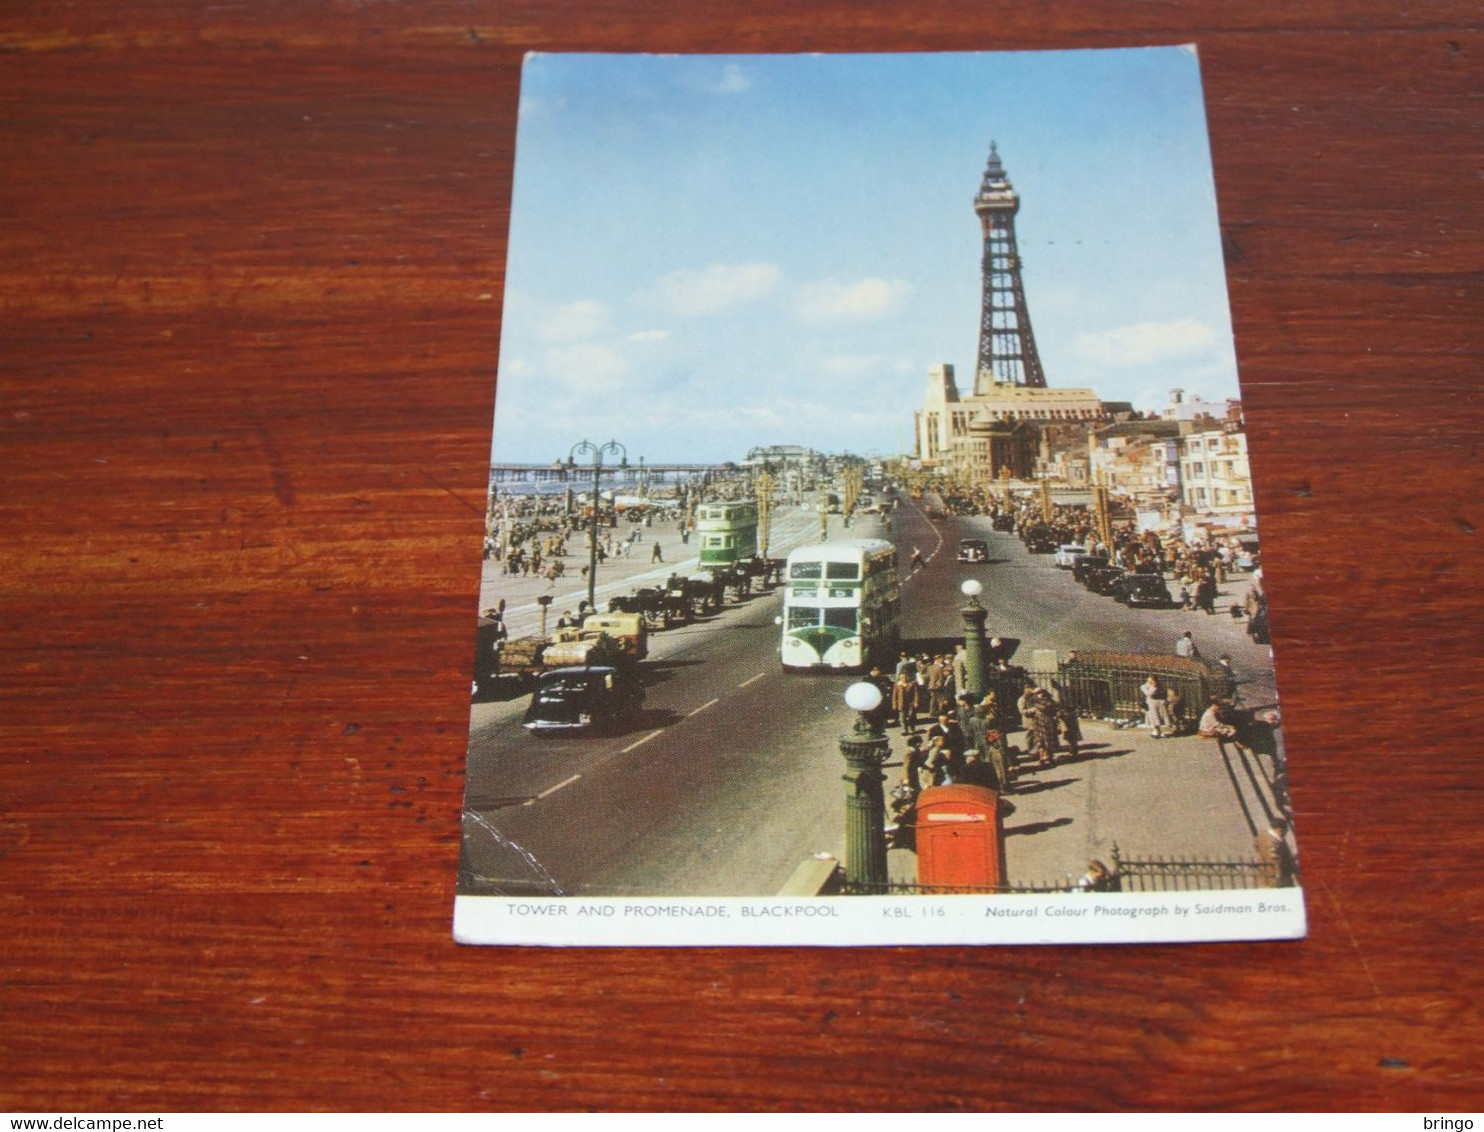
[1007,346]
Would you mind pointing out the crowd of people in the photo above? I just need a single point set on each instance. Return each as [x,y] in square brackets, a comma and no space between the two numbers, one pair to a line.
[954,736]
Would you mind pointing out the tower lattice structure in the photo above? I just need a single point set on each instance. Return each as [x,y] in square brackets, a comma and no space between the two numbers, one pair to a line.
[1007,345]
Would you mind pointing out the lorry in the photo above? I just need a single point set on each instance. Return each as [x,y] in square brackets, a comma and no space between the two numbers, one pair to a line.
[517,662]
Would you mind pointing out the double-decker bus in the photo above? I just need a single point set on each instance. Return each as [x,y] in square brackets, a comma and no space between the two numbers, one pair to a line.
[726,532]
[841,606]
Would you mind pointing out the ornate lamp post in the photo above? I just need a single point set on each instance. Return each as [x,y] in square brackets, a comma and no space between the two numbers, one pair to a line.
[974,616]
[596,451]
[865,750]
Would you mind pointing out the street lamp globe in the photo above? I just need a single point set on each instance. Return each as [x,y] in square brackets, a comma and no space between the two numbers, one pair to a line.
[972,588]
[863,696]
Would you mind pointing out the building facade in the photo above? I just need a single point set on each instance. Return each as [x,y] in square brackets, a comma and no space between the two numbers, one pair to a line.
[1214,474]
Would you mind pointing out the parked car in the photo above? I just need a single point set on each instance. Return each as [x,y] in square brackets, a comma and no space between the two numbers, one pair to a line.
[1102,579]
[973,550]
[1085,563]
[576,699]
[1041,542]
[1067,553]
[1146,591]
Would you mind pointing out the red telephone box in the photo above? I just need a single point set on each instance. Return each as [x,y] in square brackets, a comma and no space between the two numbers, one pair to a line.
[960,841]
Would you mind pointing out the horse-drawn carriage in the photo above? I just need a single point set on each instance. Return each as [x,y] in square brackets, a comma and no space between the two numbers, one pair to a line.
[651,603]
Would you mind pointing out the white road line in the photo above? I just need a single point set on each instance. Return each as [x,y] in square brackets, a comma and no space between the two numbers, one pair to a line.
[744,683]
[549,791]
[641,742]
[704,706]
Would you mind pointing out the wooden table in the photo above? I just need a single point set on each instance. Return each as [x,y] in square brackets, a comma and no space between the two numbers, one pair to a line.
[251,280]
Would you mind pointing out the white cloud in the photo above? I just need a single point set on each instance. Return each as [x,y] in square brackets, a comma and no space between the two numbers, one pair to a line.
[863,301]
[587,368]
[852,365]
[718,287]
[534,105]
[574,322]
[733,81]
[1145,343]
[648,336]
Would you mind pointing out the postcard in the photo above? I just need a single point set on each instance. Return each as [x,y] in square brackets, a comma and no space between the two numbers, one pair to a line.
[870,554]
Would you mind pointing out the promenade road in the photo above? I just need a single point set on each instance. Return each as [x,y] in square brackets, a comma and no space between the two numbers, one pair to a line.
[732,775]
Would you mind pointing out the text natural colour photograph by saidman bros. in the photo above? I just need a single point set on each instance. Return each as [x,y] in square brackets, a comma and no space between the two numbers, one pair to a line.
[870,553]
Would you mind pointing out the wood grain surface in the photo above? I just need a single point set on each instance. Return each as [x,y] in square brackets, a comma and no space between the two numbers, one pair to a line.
[251,271]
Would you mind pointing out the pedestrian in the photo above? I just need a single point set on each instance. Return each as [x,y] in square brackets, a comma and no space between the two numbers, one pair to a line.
[1205,593]
[916,762]
[1274,855]
[1186,647]
[657,555]
[1071,728]
[1156,710]
[978,772]
[1098,878]
[944,762]
[950,732]
[940,685]
[1216,722]
[880,715]
[989,745]
[960,670]
[1046,727]
[904,701]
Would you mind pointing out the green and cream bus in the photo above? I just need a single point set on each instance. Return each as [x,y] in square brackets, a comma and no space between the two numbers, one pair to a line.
[726,533]
[841,606]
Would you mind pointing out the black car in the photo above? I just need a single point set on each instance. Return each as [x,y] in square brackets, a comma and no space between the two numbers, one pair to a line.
[576,699]
[1003,523]
[1083,564]
[1040,540]
[1102,579]
[973,550]
[1147,591]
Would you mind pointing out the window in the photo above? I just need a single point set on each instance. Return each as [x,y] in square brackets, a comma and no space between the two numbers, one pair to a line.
[806,570]
[840,619]
[803,617]
[842,571]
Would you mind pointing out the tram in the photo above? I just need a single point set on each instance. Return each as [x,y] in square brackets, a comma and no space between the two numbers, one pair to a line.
[726,533]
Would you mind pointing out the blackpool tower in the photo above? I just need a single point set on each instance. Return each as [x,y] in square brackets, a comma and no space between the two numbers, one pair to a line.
[1007,347]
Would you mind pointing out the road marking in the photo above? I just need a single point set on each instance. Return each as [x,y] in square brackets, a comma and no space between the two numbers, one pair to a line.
[704,706]
[549,791]
[641,742]
[744,683]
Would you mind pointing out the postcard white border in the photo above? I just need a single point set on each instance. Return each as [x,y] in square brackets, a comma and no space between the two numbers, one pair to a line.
[840,921]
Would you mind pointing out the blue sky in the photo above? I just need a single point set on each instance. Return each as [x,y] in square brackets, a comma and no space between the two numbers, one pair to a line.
[709,253]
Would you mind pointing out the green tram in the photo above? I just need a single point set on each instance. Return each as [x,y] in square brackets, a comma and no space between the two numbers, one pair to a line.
[726,533]
[842,606]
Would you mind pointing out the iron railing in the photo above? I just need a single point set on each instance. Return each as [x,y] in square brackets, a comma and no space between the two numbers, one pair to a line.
[1128,874]
[1105,685]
